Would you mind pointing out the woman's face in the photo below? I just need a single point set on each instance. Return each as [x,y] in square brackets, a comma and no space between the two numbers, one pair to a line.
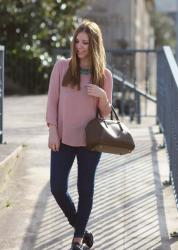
[82,45]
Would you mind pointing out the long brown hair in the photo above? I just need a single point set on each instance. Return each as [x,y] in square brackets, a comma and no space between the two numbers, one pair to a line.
[97,57]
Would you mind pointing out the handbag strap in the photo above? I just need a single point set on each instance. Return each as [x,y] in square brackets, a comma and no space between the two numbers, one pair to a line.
[112,111]
[98,113]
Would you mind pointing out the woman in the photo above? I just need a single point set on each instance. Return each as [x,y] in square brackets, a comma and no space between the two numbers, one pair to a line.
[78,86]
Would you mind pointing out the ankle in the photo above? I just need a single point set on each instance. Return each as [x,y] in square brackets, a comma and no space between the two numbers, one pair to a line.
[78,240]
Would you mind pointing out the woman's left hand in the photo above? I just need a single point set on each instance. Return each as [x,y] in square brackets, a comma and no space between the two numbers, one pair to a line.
[96,91]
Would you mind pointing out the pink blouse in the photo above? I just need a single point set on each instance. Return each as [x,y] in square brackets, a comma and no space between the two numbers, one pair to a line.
[70,109]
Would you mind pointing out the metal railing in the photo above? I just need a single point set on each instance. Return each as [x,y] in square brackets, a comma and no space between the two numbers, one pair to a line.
[135,106]
[1,90]
[134,75]
[167,109]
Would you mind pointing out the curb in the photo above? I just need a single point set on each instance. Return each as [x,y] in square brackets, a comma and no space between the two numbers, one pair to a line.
[8,163]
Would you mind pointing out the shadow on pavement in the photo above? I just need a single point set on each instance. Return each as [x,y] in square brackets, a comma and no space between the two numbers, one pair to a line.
[128,210]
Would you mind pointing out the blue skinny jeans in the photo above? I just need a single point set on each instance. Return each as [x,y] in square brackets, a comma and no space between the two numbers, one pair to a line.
[61,163]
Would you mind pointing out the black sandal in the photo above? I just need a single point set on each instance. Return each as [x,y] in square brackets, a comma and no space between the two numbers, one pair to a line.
[174,234]
[88,239]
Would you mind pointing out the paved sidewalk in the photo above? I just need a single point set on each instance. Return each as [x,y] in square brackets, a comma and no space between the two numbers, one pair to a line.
[131,211]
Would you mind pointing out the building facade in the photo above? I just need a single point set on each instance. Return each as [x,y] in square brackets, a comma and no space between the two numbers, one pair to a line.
[125,24]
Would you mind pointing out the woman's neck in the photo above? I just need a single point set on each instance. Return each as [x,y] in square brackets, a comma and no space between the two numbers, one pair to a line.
[84,64]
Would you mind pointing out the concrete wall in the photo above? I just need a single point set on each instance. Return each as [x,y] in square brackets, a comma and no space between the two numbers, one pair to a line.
[123,23]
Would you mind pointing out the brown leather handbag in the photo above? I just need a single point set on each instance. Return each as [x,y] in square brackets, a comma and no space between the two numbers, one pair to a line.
[109,136]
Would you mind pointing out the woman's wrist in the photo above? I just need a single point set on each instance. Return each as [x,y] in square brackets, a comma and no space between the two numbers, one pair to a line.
[103,99]
[52,125]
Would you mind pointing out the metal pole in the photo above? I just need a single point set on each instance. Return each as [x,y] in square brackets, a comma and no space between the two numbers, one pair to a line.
[1,91]
[177,31]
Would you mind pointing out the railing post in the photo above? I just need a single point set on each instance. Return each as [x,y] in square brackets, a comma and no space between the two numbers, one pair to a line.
[1,91]
[147,82]
[122,110]
[138,110]
[137,102]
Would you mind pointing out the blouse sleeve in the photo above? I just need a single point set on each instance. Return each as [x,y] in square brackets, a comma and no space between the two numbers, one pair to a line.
[53,96]
[108,87]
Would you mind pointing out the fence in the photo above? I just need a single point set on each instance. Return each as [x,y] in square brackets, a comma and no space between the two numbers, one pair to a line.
[167,109]
[134,75]
[1,90]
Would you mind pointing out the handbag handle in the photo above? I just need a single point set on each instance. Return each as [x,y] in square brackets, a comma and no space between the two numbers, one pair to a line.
[112,111]
[116,116]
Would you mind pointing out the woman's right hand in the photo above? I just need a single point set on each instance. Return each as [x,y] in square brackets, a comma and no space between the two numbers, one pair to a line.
[53,139]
